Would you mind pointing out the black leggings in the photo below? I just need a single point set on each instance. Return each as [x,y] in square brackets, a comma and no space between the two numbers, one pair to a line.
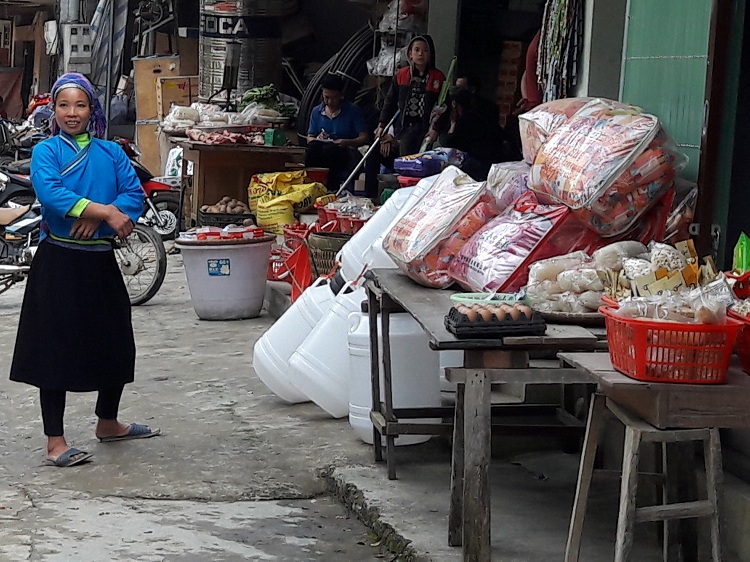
[53,408]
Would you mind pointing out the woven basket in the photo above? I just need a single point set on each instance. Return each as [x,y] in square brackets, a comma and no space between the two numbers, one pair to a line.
[323,248]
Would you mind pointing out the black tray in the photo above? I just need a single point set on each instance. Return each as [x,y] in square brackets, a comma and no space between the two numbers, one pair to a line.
[459,325]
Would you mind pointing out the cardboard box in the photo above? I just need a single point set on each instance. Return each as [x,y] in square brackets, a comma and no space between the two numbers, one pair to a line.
[178,90]
[146,71]
[147,139]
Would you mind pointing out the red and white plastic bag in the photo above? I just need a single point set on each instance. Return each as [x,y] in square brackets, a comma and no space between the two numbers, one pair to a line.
[425,241]
[498,256]
[609,163]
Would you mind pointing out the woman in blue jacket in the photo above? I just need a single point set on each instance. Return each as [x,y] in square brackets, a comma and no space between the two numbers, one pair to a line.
[75,332]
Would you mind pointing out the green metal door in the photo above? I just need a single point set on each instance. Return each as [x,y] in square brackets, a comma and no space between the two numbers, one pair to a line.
[665,66]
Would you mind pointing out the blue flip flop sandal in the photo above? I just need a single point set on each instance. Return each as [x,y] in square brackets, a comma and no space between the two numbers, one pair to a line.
[136,431]
[66,459]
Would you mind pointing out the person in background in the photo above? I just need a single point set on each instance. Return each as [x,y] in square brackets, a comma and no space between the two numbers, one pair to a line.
[531,93]
[75,332]
[337,128]
[472,133]
[485,107]
[3,112]
[414,92]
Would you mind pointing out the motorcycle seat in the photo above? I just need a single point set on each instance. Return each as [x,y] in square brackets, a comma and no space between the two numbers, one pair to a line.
[23,168]
[10,215]
[24,181]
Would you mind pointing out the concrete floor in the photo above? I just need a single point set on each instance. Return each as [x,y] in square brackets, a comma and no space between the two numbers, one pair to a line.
[238,475]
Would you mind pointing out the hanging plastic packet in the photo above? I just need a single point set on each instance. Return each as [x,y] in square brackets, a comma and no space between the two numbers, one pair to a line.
[741,262]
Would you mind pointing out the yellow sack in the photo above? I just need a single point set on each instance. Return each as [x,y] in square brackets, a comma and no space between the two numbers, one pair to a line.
[274,183]
[303,196]
[272,213]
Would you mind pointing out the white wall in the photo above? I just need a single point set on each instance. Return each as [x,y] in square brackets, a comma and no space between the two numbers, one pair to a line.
[601,60]
[442,24]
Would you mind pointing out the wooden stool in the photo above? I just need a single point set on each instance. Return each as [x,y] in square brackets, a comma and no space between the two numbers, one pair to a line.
[636,432]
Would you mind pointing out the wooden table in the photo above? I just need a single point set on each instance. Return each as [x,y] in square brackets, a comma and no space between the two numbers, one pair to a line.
[677,409]
[486,361]
[225,170]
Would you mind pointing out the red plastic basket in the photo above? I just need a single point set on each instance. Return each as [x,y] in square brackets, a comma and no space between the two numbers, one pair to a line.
[670,352]
[294,237]
[408,181]
[742,345]
[277,265]
[350,225]
[741,285]
[325,215]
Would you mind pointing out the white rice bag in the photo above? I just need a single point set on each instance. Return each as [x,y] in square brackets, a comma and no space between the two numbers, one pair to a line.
[667,257]
[548,269]
[592,300]
[611,257]
[636,267]
[580,280]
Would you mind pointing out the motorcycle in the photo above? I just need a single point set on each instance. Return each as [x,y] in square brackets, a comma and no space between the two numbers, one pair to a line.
[162,202]
[141,255]
[18,140]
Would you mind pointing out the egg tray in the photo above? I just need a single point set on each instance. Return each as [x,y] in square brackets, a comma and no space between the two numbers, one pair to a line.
[460,325]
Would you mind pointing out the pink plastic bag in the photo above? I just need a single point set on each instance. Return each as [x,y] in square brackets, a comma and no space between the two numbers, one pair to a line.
[497,258]
[507,182]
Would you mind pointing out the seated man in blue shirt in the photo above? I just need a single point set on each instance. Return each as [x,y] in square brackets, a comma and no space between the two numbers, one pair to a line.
[337,128]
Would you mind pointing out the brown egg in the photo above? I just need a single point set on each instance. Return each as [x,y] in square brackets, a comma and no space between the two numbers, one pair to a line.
[461,309]
[515,314]
[497,312]
[525,310]
[504,311]
[485,313]
[472,315]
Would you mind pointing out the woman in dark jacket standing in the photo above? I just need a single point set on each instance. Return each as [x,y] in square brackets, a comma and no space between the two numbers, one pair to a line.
[75,332]
[414,91]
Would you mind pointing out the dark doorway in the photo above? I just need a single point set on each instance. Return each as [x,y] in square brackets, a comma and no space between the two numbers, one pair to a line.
[28,72]
[738,219]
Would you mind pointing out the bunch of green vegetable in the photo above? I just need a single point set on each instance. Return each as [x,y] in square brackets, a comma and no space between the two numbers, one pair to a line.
[268,97]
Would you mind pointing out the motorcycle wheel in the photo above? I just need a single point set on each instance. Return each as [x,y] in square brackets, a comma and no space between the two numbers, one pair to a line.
[143,263]
[165,202]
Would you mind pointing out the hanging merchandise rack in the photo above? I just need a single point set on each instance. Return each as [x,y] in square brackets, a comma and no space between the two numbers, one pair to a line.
[560,47]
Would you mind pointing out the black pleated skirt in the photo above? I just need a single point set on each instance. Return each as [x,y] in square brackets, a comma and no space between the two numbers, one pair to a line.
[75,332]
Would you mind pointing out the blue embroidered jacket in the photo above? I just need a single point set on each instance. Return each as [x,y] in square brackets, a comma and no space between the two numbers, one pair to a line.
[63,174]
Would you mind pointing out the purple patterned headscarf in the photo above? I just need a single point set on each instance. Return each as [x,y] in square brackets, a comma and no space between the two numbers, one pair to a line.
[97,122]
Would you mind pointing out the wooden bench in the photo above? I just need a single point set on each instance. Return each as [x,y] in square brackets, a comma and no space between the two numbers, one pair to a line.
[666,414]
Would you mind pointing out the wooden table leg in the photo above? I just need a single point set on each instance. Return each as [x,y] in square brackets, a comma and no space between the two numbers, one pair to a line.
[385,315]
[714,484]
[477,452]
[372,314]
[680,542]
[628,494]
[456,513]
[585,474]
